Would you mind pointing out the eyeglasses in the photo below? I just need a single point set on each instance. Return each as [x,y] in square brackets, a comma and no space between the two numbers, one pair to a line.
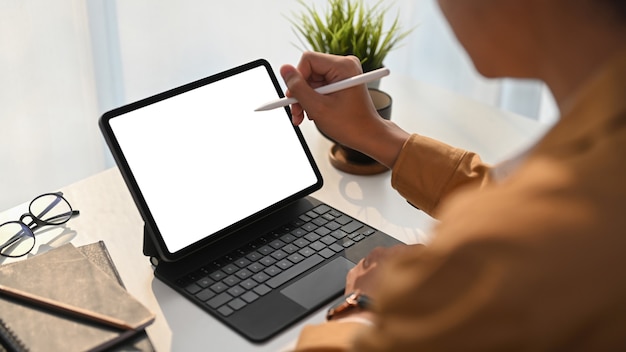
[17,237]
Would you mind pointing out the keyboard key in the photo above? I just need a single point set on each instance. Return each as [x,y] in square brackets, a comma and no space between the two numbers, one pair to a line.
[296,257]
[261,277]
[321,209]
[338,234]
[328,240]
[306,251]
[254,256]
[311,214]
[319,221]
[205,294]
[279,254]
[368,232]
[358,238]
[298,232]
[249,297]
[284,264]
[232,280]
[322,231]
[217,275]
[225,311]
[317,246]
[328,216]
[309,226]
[205,282]
[301,242]
[290,248]
[277,244]
[235,291]
[256,267]
[288,238]
[348,243]
[304,218]
[248,284]
[219,300]
[193,288]
[267,261]
[230,269]
[242,262]
[294,271]
[266,250]
[343,219]
[262,290]
[351,227]
[326,253]
[272,270]
[335,247]
[219,287]
[312,237]
[333,225]
[244,274]
[236,304]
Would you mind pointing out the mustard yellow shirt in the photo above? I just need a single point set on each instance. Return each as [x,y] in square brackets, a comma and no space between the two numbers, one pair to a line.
[529,263]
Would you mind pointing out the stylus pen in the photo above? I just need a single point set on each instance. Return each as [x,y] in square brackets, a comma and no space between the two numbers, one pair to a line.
[331,88]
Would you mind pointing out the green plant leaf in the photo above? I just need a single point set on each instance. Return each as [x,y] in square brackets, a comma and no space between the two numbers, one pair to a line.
[348,27]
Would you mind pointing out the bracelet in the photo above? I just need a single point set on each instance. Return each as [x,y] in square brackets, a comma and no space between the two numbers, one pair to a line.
[355,300]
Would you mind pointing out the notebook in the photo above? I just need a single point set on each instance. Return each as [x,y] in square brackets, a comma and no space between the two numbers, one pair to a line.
[66,275]
[225,194]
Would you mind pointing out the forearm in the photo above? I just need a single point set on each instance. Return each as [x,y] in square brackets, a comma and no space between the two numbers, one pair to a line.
[383,142]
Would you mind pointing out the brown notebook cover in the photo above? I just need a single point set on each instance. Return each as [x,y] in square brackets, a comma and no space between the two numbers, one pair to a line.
[98,254]
[65,274]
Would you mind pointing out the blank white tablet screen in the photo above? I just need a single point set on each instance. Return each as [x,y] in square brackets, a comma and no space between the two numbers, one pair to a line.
[204,159]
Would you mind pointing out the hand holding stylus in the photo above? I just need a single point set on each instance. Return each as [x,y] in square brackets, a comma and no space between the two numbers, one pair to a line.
[331,88]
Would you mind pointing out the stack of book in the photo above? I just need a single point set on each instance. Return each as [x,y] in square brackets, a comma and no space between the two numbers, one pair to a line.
[83,279]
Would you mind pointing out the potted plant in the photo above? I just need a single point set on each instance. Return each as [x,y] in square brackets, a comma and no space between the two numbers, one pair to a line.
[349,27]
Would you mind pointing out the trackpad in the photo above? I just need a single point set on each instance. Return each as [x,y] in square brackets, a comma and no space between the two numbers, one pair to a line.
[320,285]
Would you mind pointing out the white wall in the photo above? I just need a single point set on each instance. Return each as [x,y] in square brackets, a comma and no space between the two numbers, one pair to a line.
[48,135]
[64,62]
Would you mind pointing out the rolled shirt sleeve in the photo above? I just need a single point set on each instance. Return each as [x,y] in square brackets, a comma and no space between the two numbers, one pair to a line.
[428,170]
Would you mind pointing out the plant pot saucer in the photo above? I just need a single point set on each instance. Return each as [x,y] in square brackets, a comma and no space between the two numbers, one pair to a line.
[338,159]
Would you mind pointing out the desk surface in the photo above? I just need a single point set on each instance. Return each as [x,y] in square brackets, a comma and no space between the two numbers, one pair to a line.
[108,212]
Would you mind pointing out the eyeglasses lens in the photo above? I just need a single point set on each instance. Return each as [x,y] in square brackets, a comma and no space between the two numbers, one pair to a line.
[16,239]
[52,209]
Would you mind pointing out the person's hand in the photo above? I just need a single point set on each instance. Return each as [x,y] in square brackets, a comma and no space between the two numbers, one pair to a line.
[348,116]
[365,276]
[338,115]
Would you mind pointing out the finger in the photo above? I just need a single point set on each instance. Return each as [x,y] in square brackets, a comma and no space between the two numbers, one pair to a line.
[297,114]
[320,68]
[298,86]
[365,263]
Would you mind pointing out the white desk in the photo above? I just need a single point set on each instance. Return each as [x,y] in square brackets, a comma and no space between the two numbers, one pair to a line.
[108,212]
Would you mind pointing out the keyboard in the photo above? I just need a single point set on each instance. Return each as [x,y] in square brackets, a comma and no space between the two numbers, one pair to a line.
[241,277]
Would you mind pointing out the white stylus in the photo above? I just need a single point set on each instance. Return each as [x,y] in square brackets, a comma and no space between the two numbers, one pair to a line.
[331,88]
